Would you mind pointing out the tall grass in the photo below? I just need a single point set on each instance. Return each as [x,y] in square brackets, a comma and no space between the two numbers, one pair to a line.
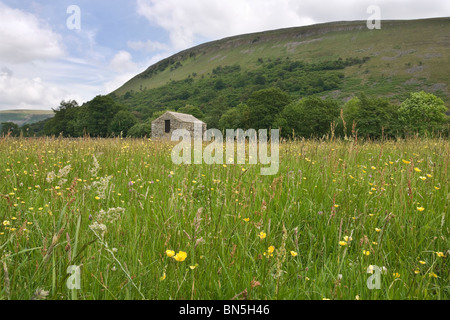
[334,209]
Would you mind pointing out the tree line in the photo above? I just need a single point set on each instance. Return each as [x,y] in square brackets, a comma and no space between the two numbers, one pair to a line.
[312,116]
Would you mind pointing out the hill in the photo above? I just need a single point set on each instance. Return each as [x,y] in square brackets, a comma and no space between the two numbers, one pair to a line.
[334,60]
[22,117]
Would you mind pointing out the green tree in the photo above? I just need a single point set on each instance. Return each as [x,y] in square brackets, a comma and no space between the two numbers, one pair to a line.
[311,116]
[375,117]
[10,128]
[422,112]
[235,118]
[97,115]
[265,105]
[192,110]
[62,122]
[121,123]
[140,130]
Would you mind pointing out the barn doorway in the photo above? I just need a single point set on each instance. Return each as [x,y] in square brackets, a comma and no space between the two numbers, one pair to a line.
[167,122]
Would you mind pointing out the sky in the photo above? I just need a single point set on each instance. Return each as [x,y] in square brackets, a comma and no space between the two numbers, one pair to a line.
[54,50]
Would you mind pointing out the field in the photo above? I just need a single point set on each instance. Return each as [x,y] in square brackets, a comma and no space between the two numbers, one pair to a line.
[22,117]
[140,227]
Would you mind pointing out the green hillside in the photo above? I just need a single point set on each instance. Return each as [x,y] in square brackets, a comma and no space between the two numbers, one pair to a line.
[334,60]
[22,117]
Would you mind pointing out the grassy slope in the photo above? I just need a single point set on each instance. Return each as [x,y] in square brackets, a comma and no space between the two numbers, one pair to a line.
[405,56]
[22,117]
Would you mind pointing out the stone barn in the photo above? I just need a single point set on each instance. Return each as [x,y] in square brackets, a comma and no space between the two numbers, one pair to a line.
[163,127]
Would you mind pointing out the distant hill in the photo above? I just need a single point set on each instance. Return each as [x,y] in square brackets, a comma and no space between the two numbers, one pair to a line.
[22,117]
[335,60]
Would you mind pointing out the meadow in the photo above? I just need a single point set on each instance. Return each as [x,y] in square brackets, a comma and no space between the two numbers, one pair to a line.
[140,227]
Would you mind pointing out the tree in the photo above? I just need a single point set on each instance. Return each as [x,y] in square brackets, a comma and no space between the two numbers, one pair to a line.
[122,122]
[97,115]
[190,109]
[10,128]
[62,122]
[140,130]
[374,117]
[311,116]
[265,105]
[235,118]
[422,112]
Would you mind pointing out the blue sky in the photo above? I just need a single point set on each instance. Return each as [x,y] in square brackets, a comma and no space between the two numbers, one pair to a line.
[42,61]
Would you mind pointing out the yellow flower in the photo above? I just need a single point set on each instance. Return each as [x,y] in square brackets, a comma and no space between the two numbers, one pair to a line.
[262,235]
[433,275]
[440,254]
[180,256]
[347,238]
[170,253]
[406,162]
[271,249]
[366,252]
[293,253]
[422,262]
[417,271]
[437,188]
[417,170]
[377,229]
[373,168]
[420,209]
[247,219]
[423,178]
[429,175]
[163,277]
[97,198]
[396,275]
[342,243]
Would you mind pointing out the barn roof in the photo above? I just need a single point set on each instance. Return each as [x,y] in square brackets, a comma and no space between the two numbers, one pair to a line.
[182,117]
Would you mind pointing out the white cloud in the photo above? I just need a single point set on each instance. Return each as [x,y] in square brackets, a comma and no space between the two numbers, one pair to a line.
[26,93]
[148,46]
[25,38]
[123,62]
[189,21]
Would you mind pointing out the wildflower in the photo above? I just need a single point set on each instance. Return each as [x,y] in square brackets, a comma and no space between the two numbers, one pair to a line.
[432,275]
[440,254]
[262,235]
[247,219]
[377,229]
[163,277]
[373,168]
[180,256]
[271,249]
[342,243]
[293,253]
[422,262]
[366,252]
[170,253]
[417,170]
[437,188]
[417,271]
[98,227]
[347,238]
[423,178]
[396,275]
[406,162]
[420,209]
